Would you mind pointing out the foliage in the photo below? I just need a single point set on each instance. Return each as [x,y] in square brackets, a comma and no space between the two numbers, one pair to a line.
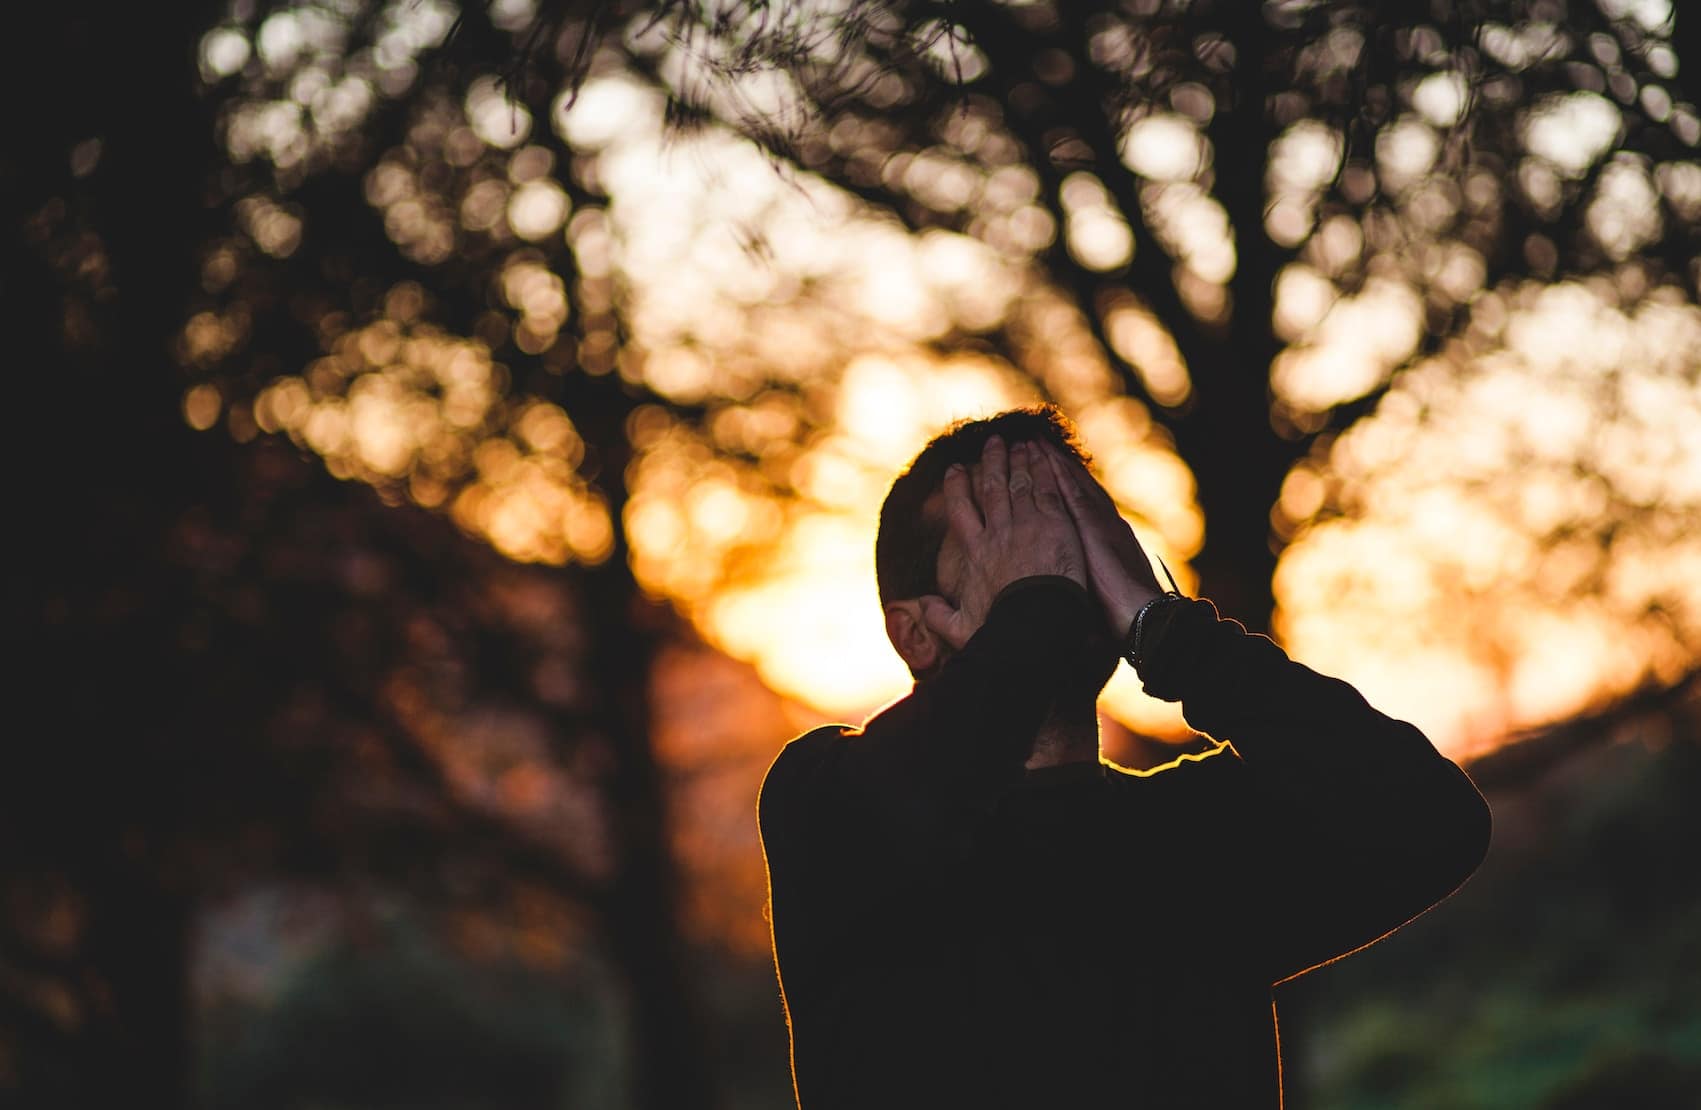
[1460,233]
[1321,234]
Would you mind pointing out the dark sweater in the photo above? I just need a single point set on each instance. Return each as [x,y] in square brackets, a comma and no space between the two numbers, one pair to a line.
[954,931]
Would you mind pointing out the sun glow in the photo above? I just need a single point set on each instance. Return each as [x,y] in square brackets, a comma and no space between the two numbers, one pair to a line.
[1518,535]
[1531,484]
[788,583]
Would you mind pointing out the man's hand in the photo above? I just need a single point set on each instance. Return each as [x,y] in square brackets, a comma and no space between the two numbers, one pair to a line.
[1021,528]
[1117,567]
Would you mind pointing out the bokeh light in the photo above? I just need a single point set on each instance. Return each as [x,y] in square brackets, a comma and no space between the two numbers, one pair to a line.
[1511,538]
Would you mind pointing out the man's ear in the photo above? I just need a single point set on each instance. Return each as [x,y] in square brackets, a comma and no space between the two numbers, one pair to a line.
[918,645]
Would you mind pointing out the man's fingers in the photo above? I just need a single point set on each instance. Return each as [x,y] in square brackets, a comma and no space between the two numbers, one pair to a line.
[1021,484]
[1048,491]
[1087,489]
[1087,499]
[960,511]
[1068,482]
[994,486]
[946,622]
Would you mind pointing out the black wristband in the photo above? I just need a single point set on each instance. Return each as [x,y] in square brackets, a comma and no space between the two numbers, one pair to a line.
[1134,645]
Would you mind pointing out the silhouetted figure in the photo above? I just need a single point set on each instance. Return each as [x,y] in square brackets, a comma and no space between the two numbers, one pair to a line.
[970,910]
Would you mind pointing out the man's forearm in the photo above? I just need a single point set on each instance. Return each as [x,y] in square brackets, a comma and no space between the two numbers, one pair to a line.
[1316,741]
[993,695]
[1241,687]
[1360,823]
[905,780]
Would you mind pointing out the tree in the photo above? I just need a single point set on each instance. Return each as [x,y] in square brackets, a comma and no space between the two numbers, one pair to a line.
[1323,205]
[237,665]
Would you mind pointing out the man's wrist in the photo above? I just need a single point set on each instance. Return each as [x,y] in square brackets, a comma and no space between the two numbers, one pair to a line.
[1174,644]
[1126,607]
[1144,627]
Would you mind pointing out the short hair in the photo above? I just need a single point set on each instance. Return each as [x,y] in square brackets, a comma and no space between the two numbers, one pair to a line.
[906,547]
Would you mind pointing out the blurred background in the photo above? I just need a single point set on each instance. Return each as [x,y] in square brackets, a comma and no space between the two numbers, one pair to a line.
[445,443]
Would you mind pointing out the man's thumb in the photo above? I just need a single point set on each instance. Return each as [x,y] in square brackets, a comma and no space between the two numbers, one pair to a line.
[945,621]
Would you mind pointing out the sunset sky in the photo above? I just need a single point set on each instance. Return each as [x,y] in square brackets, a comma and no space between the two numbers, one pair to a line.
[1421,564]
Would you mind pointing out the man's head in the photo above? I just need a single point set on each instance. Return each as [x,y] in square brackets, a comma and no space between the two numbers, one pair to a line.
[911,553]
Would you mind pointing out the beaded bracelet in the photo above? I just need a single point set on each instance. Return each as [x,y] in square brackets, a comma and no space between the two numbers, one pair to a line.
[1135,640]
[1136,631]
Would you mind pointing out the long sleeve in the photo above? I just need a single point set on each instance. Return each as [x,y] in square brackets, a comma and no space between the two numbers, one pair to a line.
[1341,823]
[852,819]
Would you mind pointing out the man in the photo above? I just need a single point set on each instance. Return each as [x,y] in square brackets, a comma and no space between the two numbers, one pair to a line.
[969,909]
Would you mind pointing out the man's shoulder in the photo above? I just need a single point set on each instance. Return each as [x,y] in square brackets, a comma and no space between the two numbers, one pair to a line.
[798,762]
[815,741]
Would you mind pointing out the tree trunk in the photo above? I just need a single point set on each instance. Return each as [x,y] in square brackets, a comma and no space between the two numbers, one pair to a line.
[670,1065]
[1227,437]
[107,467]
[1224,433]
